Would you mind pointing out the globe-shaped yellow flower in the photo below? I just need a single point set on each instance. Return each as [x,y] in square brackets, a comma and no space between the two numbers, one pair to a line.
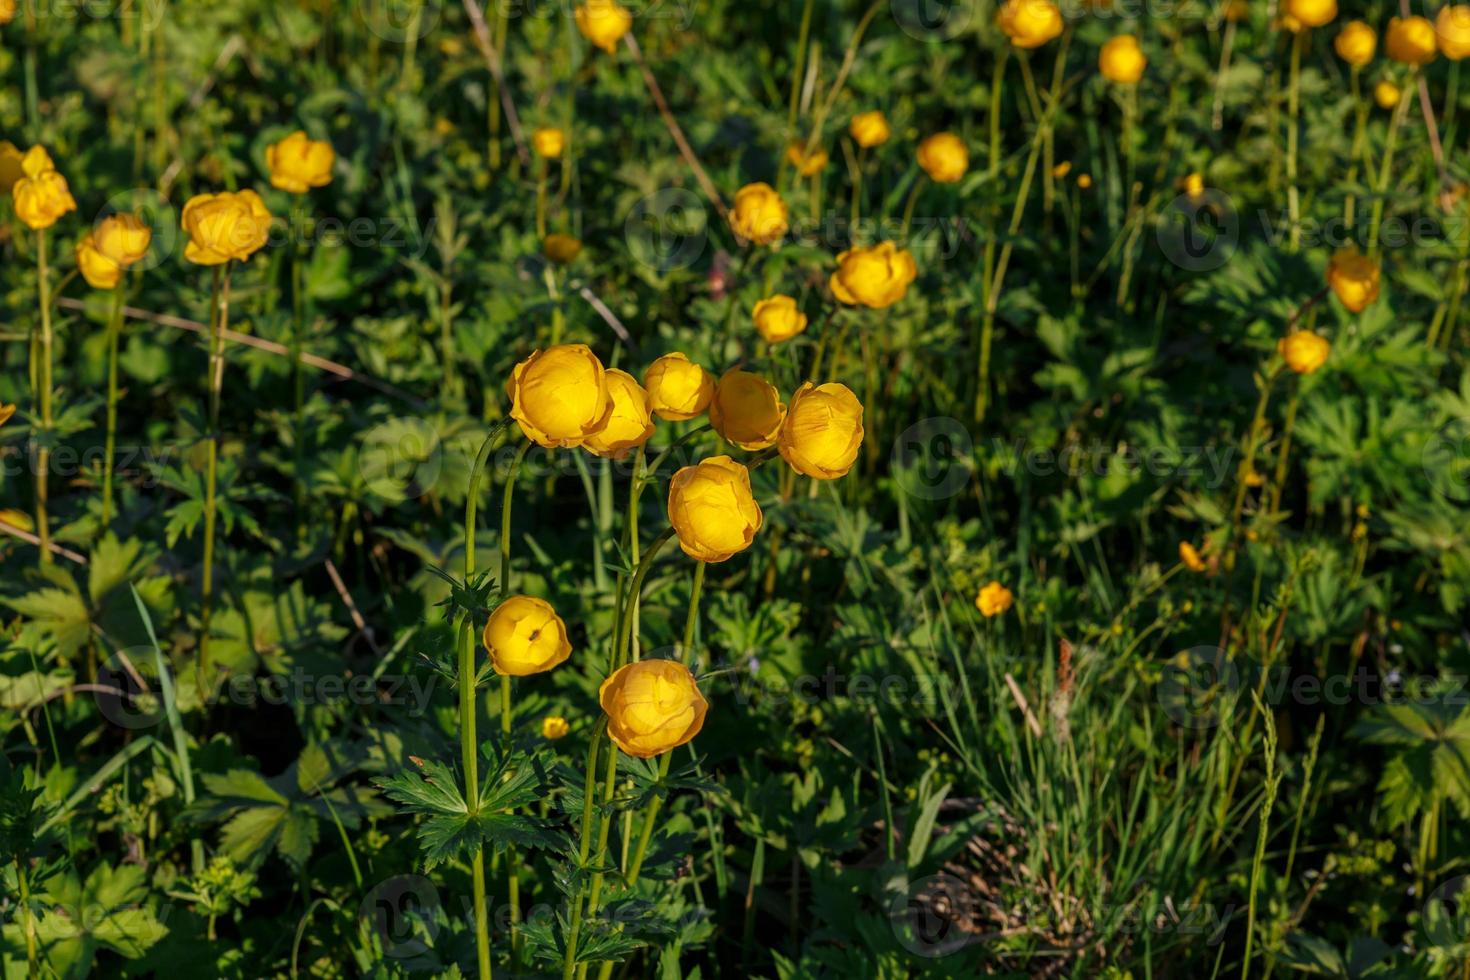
[123,238]
[652,706]
[993,600]
[1355,43]
[1029,23]
[869,129]
[560,396]
[554,727]
[875,276]
[678,389]
[629,426]
[1386,94]
[525,636]
[1354,278]
[746,410]
[1121,60]
[225,226]
[1304,351]
[1410,40]
[99,270]
[298,163]
[548,142]
[778,318]
[1453,29]
[1311,13]
[713,510]
[944,158]
[40,195]
[1191,557]
[805,163]
[561,249]
[603,23]
[759,214]
[823,430]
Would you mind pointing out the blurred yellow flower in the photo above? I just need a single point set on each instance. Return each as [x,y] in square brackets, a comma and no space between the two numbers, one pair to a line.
[123,238]
[823,431]
[10,164]
[993,600]
[1304,351]
[1453,28]
[712,509]
[746,410]
[1084,181]
[99,270]
[554,727]
[630,424]
[1191,557]
[778,318]
[1410,40]
[41,195]
[759,214]
[6,411]
[225,226]
[1062,169]
[1355,43]
[1121,60]
[1386,94]
[869,129]
[805,163]
[561,249]
[560,396]
[1029,23]
[548,142]
[1353,278]
[678,389]
[875,276]
[1194,185]
[652,706]
[7,10]
[603,23]
[525,636]
[17,518]
[298,163]
[1311,13]
[944,158]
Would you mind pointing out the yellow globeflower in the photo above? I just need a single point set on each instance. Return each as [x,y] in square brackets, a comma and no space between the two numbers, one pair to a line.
[11,169]
[554,727]
[823,431]
[805,163]
[1353,278]
[993,600]
[1355,43]
[1386,94]
[778,318]
[759,214]
[561,249]
[1453,27]
[944,158]
[7,10]
[41,195]
[1029,23]
[1084,181]
[603,23]
[1121,60]
[630,424]
[678,389]
[1191,557]
[1311,13]
[713,510]
[876,276]
[560,396]
[123,238]
[652,706]
[1304,351]
[1194,185]
[1410,40]
[6,411]
[225,226]
[297,163]
[99,270]
[746,410]
[525,636]
[548,142]
[869,129]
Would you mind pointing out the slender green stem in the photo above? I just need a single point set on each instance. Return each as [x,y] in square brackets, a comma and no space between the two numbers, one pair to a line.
[1293,113]
[43,453]
[691,622]
[608,788]
[298,387]
[625,627]
[505,510]
[599,573]
[506,708]
[219,321]
[584,846]
[33,960]
[1355,153]
[1385,172]
[114,328]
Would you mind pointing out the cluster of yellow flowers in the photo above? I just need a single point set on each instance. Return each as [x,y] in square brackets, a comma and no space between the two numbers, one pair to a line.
[1408,40]
[38,191]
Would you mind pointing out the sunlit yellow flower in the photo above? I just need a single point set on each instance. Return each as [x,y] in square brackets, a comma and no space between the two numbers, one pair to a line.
[1121,60]
[1453,28]
[746,410]
[1311,13]
[554,727]
[630,424]
[1191,557]
[805,163]
[10,165]
[525,636]
[1304,351]
[778,318]
[560,396]
[225,226]
[298,163]
[99,270]
[652,706]
[1410,40]
[123,238]
[993,600]
[869,129]
[759,214]
[1353,278]
[561,249]
[1386,94]
[876,276]
[944,158]
[1029,23]
[41,195]
[712,509]
[678,389]
[603,23]
[1355,43]
[548,142]
[823,430]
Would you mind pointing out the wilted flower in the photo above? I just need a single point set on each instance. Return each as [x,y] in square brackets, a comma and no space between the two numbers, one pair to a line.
[298,163]
[713,510]
[943,157]
[560,396]
[225,226]
[525,636]
[630,424]
[876,276]
[778,318]
[759,214]
[823,430]
[678,389]
[652,706]
[746,410]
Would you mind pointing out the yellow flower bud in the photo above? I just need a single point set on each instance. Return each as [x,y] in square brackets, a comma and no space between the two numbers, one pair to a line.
[554,727]
[560,396]
[41,195]
[548,142]
[1191,557]
[297,163]
[1410,40]
[123,238]
[993,600]
[869,129]
[525,636]
[944,158]
[1453,28]
[805,163]
[1084,181]
[759,214]
[1029,23]
[1062,169]
[630,424]
[746,410]
[1194,185]
[6,411]
[1304,351]
[1355,43]
[823,430]
[10,165]
[603,23]
[678,389]
[778,318]
[1121,60]
[561,249]
[652,706]
[875,276]
[225,226]
[1353,278]
[99,270]
[1311,13]
[712,509]
[1386,94]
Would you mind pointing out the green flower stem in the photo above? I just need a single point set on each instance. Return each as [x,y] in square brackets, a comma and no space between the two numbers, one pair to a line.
[1386,171]
[114,328]
[298,385]
[218,322]
[584,846]
[506,708]
[33,961]
[1293,114]
[625,628]
[608,788]
[505,509]
[599,574]
[43,375]
[1360,122]
[686,650]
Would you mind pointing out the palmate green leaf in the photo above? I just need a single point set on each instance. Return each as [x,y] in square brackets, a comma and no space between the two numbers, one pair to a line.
[109,911]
